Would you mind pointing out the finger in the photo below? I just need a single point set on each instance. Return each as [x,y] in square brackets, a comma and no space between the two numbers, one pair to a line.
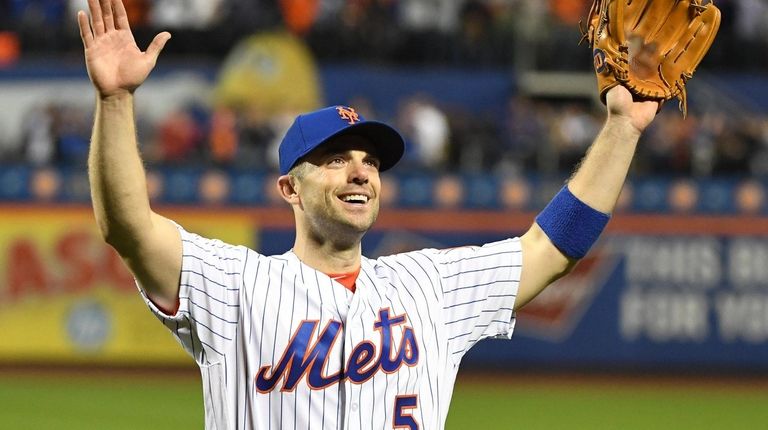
[157,45]
[86,33]
[121,16]
[97,21]
[109,17]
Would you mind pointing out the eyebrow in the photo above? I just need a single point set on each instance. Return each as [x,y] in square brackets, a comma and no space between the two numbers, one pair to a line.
[325,152]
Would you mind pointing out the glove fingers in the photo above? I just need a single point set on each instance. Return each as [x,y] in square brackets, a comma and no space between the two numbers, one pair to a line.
[658,31]
[667,29]
[647,16]
[695,42]
[616,10]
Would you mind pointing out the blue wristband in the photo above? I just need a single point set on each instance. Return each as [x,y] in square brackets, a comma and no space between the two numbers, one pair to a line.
[571,225]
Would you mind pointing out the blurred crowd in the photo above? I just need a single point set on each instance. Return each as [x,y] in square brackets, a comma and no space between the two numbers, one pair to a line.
[533,136]
[529,135]
[520,33]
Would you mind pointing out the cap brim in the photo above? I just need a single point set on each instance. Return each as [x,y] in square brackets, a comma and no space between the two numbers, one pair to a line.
[389,144]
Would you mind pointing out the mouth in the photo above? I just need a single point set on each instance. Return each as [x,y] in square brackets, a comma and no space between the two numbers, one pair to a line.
[355,199]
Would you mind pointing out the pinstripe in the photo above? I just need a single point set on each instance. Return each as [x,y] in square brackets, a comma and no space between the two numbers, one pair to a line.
[320,294]
[485,284]
[418,314]
[263,317]
[247,392]
[290,326]
[211,265]
[464,303]
[200,324]
[232,303]
[463,319]
[483,256]
[207,311]
[277,324]
[208,279]
[306,317]
[481,270]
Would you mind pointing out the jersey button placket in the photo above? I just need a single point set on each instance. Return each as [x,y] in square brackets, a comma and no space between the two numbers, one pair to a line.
[354,333]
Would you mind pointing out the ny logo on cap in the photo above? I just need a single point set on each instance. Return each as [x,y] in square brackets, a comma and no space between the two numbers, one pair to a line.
[348,114]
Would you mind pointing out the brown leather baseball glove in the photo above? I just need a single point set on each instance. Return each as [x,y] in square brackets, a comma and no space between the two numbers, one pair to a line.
[652,47]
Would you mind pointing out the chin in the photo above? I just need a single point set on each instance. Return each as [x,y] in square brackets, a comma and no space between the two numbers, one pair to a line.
[361,226]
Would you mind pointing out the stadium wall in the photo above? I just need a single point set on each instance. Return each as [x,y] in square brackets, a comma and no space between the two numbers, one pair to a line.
[658,292]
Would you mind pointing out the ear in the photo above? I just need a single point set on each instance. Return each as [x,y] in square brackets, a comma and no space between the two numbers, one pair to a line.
[287,187]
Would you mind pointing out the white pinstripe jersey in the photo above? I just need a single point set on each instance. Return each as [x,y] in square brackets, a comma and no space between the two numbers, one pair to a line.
[283,346]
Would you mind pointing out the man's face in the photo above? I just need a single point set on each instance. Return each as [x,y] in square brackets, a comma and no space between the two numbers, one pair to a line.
[339,188]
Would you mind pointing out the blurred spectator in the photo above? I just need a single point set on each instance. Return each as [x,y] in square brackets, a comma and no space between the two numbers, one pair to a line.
[573,130]
[569,12]
[195,14]
[528,22]
[37,13]
[138,11]
[299,15]
[6,17]
[475,141]
[429,15]
[735,148]
[10,49]
[759,164]
[38,141]
[751,19]
[223,137]
[179,139]
[666,148]
[72,130]
[524,136]
[256,133]
[475,44]
[425,127]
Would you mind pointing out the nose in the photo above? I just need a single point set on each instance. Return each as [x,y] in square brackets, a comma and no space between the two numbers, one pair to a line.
[358,173]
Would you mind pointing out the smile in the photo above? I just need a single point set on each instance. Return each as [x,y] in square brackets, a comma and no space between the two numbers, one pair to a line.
[355,198]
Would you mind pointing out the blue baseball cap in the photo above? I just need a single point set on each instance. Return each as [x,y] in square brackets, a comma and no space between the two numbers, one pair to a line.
[313,129]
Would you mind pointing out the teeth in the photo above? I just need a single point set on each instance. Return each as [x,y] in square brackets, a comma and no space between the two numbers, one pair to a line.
[355,198]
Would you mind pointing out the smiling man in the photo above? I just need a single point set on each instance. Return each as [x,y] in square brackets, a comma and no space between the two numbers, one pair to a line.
[330,162]
[321,336]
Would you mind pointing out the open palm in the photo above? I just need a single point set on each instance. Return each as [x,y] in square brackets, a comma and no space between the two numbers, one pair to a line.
[114,61]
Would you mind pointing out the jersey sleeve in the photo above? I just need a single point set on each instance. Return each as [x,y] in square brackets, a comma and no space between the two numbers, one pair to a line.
[479,286]
[209,297]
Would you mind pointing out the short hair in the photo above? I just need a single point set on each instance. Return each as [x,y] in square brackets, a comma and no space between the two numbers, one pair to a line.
[299,171]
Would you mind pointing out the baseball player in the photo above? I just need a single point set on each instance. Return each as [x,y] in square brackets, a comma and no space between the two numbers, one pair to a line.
[320,336]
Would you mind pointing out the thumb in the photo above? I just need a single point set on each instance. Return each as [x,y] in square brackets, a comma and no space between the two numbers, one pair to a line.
[157,45]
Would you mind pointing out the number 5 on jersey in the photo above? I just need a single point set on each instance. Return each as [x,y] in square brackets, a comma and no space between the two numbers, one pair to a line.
[403,414]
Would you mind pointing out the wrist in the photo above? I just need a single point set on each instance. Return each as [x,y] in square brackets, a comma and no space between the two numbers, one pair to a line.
[115,96]
[115,99]
[622,125]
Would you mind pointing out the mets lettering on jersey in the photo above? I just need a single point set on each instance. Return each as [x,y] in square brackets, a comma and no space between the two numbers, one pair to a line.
[281,345]
[363,363]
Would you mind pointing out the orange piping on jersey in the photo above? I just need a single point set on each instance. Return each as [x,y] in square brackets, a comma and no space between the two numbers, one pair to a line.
[346,279]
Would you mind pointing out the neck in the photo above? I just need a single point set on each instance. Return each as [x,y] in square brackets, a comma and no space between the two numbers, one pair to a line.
[327,256]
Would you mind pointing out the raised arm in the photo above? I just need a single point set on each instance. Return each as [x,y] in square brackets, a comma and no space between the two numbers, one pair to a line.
[148,243]
[597,183]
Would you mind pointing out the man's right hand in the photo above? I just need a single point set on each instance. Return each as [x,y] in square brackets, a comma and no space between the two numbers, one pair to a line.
[115,63]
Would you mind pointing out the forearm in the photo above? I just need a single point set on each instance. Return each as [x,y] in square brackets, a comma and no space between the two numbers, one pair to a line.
[117,178]
[600,176]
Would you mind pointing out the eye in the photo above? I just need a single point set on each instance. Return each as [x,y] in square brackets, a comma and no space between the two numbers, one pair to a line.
[336,160]
[373,162]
